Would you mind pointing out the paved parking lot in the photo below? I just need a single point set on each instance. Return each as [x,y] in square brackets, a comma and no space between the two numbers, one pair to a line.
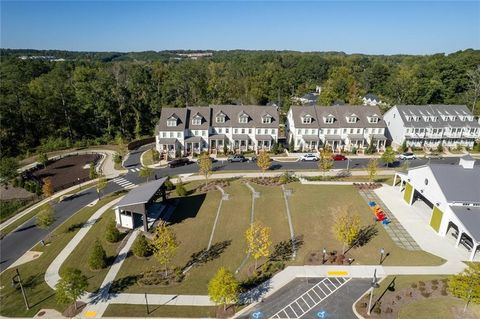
[328,297]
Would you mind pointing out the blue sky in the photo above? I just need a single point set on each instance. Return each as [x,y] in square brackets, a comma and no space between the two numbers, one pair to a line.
[378,27]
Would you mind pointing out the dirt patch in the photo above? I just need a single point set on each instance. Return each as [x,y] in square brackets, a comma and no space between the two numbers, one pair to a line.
[10,192]
[68,171]
[71,312]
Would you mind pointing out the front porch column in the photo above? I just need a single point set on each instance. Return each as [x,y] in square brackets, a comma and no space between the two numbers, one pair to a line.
[459,237]
[474,251]
[395,179]
[145,221]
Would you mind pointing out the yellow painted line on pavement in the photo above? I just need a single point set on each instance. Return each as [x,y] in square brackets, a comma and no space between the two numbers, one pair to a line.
[90,314]
[337,273]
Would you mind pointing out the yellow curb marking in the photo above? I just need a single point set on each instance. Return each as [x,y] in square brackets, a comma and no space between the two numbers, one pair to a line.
[90,314]
[337,273]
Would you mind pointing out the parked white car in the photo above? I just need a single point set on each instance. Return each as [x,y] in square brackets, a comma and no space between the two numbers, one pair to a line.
[309,157]
[407,156]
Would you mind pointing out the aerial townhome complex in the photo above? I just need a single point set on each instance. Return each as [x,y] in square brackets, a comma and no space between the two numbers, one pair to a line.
[341,127]
[431,125]
[185,131]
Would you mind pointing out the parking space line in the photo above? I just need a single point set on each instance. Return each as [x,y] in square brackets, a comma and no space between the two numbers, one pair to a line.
[311,299]
[293,310]
[317,295]
[331,282]
[300,305]
[326,286]
[323,292]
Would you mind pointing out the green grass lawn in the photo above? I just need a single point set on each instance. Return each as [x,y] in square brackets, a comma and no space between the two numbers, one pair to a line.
[311,207]
[441,307]
[40,295]
[147,158]
[160,311]
[79,257]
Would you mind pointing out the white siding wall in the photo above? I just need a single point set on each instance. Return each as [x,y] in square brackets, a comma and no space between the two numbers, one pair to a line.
[395,126]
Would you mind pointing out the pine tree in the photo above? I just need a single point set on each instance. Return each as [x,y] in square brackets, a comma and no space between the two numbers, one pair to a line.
[141,247]
[98,257]
[112,234]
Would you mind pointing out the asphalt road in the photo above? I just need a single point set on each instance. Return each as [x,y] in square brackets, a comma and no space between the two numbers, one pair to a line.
[15,244]
[336,306]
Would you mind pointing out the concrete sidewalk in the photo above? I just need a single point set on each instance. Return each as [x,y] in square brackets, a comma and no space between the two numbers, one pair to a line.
[52,275]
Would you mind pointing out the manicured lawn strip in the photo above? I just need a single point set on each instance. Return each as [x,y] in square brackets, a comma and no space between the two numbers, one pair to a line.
[192,223]
[79,257]
[435,308]
[120,310]
[311,209]
[40,295]
[387,179]
[147,157]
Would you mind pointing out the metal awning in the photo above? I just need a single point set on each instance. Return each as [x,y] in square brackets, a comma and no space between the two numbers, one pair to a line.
[142,194]
[310,138]
[263,137]
[356,137]
[333,137]
[241,137]
[167,141]
[379,137]
[193,139]
[469,216]
[218,137]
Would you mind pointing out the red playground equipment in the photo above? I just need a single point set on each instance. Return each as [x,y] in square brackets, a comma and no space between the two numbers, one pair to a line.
[379,214]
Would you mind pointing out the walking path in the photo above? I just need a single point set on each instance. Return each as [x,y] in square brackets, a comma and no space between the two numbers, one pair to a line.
[52,275]
[286,193]
[394,229]
[224,197]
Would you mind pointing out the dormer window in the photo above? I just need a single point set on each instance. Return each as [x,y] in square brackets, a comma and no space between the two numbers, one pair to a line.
[374,119]
[307,119]
[197,121]
[453,118]
[330,119]
[243,119]
[352,119]
[409,118]
[220,119]
[267,119]
[433,118]
[416,118]
[172,122]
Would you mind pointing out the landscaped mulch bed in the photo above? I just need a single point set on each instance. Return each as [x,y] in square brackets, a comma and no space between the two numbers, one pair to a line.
[67,171]
[10,192]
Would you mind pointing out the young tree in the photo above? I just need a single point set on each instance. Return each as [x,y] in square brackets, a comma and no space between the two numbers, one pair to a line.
[388,157]
[404,146]
[466,285]
[223,288]
[101,185]
[112,234]
[164,245]
[372,169]
[146,172]
[141,247]
[45,218]
[258,241]
[263,161]
[71,286]
[47,187]
[42,158]
[326,162]
[291,145]
[205,166]
[92,172]
[8,169]
[346,226]
[474,86]
[98,257]
[155,155]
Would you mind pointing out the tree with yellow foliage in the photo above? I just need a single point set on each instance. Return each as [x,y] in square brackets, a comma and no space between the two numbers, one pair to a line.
[372,169]
[47,187]
[223,288]
[263,161]
[164,245]
[205,166]
[346,226]
[258,241]
[326,162]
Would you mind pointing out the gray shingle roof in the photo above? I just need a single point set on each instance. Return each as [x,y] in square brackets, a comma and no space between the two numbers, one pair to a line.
[435,110]
[470,218]
[255,113]
[167,112]
[142,194]
[458,184]
[340,112]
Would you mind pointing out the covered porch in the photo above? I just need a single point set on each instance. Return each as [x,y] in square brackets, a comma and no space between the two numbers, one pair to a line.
[169,147]
[467,228]
[379,140]
[335,142]
[356,140]
[242,142]
[310,143]
[140,207]
[194,145]
[218,142]
[264,142]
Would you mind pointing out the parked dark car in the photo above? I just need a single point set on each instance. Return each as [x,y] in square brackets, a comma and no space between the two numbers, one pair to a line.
[339,157]
[178,162]
[236,158]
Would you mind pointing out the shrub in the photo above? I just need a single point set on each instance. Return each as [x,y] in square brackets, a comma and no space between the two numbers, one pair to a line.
[169,185]
[377,310]
[434,287]
[117,158]
[398,297]
[388,310]
[421,283]
[98,257]
[426,294]
[414,285]
[141,247]
[112,235]
[363,305]
[181,190]
[435,282]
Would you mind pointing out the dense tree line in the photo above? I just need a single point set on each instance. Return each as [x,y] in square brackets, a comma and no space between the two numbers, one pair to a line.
[94,97]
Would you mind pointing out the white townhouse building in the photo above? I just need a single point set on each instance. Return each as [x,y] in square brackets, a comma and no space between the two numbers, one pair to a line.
[341,127]
[431,125]
[448,197]
[183,131]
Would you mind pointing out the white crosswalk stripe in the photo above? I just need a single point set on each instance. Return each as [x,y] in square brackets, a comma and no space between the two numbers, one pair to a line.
[137,169]
[123,182]
[311,298]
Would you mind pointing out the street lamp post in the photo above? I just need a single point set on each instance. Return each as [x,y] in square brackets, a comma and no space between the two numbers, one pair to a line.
[18,280]
[374,285]
[348,164]
[382,254]
[324,255]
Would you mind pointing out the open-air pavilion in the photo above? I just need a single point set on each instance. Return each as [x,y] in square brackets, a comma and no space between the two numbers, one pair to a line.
[140,206]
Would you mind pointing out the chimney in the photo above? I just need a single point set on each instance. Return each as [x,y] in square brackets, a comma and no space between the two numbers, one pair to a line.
[467,162]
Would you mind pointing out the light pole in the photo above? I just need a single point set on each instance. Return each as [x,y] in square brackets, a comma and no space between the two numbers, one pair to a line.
[324,255]
[374,285]
[382,253]
[18,280]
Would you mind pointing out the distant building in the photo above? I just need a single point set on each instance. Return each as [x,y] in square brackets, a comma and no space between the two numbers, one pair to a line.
[195,55]
[431,125]
[371,100]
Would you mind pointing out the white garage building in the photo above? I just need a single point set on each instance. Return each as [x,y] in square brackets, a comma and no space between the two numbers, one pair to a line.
[452,193]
